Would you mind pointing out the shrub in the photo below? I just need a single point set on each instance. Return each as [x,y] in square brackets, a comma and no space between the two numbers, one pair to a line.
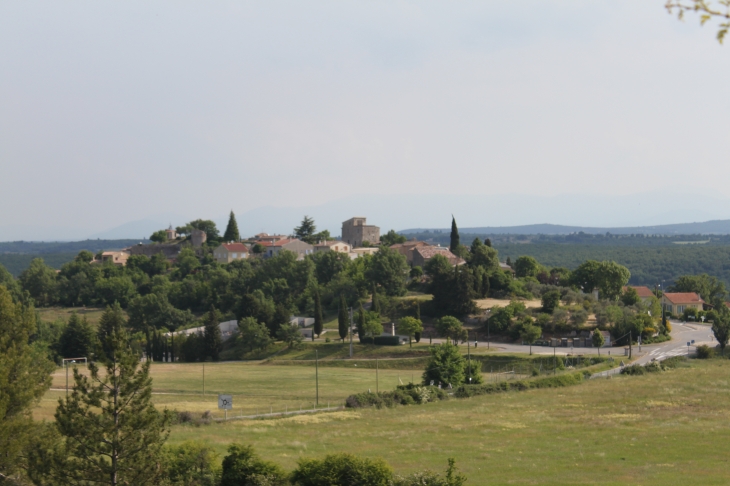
[633,370]
[190,463]
[557,381]
[446,365]
[410,394]
[243,466]
[705,352]
[381,340]
[341,469]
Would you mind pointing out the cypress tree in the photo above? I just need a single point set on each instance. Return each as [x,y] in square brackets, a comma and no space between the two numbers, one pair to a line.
[231,233]
[148,344]
[360,322]
[164,348]
[475,244]
[172,348]
[318,320]
[342,318]
[508,262]
[417,336]
[485,285]
[212,336]
[454,245]
[375,302]
[488,242]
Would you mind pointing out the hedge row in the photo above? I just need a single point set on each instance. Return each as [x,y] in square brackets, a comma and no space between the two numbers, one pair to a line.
[403,395]
[568,379]
[415,395]
[381,340]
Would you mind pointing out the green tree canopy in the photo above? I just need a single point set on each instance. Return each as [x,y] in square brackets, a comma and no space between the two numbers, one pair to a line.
[242,466]
[25,376]
[445,366]
[111,432]
[290,335]
[388,269]
[159,236]
[391,238]
[529,332]
[306,230]
[212,335]
[450,327]
[410,326]
[341,470]
[709,288]
[597,340]
[253,334]
[40,281]
[77,339]
[526,266]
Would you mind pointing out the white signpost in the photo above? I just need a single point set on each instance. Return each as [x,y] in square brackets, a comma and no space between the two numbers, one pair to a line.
[225,402]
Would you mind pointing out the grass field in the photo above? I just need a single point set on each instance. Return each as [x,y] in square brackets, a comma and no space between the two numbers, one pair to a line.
[255,388]
[93,314]
[667,428]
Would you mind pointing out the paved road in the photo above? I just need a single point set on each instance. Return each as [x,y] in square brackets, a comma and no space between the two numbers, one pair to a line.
[681,334]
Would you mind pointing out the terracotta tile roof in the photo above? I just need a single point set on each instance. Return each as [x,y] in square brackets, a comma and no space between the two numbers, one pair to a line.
[683,297]
[283,242]
[644,292]
[430,251]
[235,247]
[331,243]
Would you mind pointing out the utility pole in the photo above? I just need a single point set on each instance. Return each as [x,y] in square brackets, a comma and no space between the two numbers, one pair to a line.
[376,375]
[316,376]
[350,332]
[468,354]
[555,362]
[203,377]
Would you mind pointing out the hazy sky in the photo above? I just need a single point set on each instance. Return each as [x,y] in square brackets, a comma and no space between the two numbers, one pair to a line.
[115,111]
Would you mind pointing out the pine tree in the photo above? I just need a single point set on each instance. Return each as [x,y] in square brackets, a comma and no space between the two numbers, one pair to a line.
[454,245]
[112,433]
[306,230]
[77,339]
[318,320]
[231,233]
[212,336]
[375,307]
[25,376]
[342,318]
[112,321]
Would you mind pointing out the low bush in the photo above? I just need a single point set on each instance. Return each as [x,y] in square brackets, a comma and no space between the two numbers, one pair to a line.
[557,381]
[705,352]
[403,395]
[382,340]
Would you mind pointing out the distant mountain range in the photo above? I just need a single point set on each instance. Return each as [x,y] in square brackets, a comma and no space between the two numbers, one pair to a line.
[717,227]
[652,212]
